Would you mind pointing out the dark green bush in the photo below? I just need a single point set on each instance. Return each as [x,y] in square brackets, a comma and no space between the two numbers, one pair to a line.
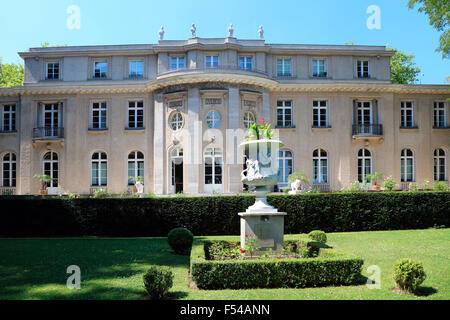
[409,274]
[331,268]
[23,216]
[180,240]
[318,235]
[157,281]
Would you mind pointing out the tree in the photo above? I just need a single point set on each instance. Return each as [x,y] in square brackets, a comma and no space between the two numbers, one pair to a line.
[403,68]
[11,74]
[438,12]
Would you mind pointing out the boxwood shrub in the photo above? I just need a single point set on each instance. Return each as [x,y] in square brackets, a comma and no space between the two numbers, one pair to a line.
[25,216]
[330,268]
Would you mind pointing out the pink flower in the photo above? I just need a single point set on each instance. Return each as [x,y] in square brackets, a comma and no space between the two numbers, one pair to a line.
[262,120]
[242,251]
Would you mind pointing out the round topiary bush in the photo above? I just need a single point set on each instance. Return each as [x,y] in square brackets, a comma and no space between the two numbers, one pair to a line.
[180,240]
[157,281]
[408,274]
[318,235]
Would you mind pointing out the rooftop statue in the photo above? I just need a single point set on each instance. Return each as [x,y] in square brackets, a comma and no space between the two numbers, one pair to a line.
[161,33]
[261,33]
[230,31]
[193,29]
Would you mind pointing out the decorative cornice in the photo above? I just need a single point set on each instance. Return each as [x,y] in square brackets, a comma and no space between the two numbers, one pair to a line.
[232,79]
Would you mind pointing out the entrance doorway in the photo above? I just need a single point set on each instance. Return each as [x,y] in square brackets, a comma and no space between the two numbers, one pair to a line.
[177,170]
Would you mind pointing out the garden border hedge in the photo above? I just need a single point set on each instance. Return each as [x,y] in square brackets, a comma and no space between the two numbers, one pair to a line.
[22,216]
[330,268]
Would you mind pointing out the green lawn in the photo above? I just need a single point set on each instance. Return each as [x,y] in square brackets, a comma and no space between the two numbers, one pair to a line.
[112,268]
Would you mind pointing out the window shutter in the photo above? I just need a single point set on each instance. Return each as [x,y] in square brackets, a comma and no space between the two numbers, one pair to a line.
[375,111]
[355,115]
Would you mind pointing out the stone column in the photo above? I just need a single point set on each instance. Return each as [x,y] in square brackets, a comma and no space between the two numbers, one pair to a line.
[265,108]
[193,144]
[159,144]
[232,143]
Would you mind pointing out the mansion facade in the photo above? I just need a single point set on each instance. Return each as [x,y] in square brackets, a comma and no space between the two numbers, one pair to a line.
[174,113]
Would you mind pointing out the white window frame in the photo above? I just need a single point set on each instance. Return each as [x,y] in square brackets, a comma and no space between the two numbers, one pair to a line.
[284,68]
[177,59]
[360,64]
[12,115]
[404,159]
[212,63]
[213,122]
[246,62]
[130,68]
[284,158]
[325,67]
[436,169]
[176,118]
[12,180]
[363,159]
[99,110]
[404,108]
[436,108]
[319,108]
[283,107]
[99,161]
[52,162]
[319,159]
[106,73]
[47,63]
[135,161]
[216,153]
[249,119]
[135,109]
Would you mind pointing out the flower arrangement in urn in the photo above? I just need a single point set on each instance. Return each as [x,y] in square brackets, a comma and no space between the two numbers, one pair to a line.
[260,131]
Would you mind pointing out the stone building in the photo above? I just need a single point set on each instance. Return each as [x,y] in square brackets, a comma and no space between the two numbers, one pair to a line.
[174,113]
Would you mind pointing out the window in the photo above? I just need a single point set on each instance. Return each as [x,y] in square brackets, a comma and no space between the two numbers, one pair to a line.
[51,120]
[213,119]
[284,165]
[135,114]
[439,115]
[98,115]
[249,119]
[52,71]
[136,69]
[320,113]
[213,166]
[284,114]
[283,67]
[100,70]
[407,165]
[8,118]
[99,169]
[211,61]
[319,68]
[364,164]
[407,114]
[135,166]
[320,166]
[439,165]
[9,170]
[51,168]
[176,121]
[245,63]
[176,63]
[363,69]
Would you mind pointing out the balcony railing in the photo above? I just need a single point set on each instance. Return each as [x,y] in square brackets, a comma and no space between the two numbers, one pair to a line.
[367,130]
[7,191]
[44,133]
[219,69]
[322,187]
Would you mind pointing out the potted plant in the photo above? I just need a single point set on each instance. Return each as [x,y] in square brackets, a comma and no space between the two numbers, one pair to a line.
[300,176]
[45,181]
[374,178]
[138,181]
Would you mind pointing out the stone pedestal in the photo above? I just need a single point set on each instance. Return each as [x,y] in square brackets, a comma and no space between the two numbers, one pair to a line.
[267,227]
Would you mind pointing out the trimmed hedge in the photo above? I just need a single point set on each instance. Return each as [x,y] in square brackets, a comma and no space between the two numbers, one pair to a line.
[330,268]
[23,216]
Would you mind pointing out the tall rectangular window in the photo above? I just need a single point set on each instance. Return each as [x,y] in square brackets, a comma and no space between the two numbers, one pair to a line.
[211,61]
[136,69]
[439,115]
[284,67]
[363,69]
[320,113]
[177,63]
[284,114]
[99,115]
[135,114]
[100,70]
[8,118]
[319,68]
[407,114]
[245,63]
[52,71]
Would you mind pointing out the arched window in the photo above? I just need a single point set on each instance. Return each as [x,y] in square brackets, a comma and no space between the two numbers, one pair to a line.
[9,170]
[213,119]
[99,163]
[135,166]
[407,165]
[176,121]
[439,165]
[285,161]
[320,166]
[364,164]
[249,119]
[51,168]
[213,169]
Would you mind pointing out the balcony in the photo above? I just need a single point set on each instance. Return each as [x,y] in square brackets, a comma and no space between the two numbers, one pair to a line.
[48,134]
[219,69]
[367,131]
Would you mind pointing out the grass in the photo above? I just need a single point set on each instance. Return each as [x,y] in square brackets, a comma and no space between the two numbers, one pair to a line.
[113,268]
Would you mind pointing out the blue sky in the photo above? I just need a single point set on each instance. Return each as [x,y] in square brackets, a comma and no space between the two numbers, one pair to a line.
[26,24]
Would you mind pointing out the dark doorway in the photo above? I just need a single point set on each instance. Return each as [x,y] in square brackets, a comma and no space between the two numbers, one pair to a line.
[177,176]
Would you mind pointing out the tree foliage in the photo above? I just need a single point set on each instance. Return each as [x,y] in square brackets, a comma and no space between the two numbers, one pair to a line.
[11,74]
[438,11]
[403,68]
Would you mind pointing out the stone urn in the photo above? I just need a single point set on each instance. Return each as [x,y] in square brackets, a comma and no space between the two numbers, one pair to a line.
[261,220]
